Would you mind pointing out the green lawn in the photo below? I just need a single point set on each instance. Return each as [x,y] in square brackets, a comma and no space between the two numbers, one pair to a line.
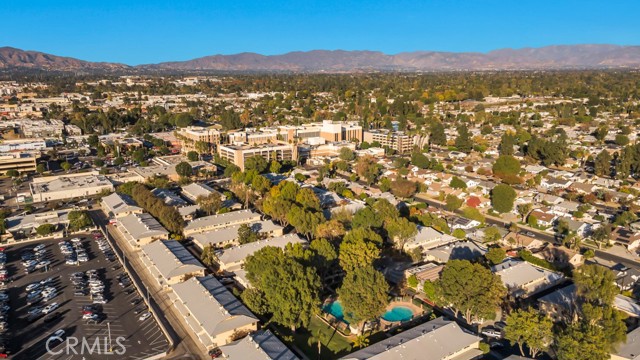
[333,345]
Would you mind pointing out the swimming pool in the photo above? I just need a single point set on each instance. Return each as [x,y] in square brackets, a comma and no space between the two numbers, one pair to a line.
[398,313]
[335,309]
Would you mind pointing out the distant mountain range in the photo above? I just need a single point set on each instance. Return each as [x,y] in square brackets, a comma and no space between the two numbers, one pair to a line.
[549,57]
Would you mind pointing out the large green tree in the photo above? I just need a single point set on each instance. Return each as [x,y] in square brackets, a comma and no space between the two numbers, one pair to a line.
[502,198]
[470,289]
[531,328]
[363,294]
[291,290]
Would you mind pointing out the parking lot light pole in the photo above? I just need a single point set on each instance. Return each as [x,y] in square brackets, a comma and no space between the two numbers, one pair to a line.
[109,330]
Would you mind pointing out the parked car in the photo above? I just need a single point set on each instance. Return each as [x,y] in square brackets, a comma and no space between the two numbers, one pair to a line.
[144,316]
[50,308]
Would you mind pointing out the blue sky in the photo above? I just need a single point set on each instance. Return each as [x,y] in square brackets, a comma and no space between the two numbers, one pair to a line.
[138,32]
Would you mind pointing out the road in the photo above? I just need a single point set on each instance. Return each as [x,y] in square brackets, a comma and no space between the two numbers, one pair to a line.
[184,346]
[539,234]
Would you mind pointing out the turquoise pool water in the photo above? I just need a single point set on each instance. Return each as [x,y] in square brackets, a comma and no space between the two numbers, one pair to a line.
[398,313]
[335,309]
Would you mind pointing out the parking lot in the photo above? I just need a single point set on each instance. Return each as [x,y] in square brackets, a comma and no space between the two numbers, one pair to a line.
[114,325]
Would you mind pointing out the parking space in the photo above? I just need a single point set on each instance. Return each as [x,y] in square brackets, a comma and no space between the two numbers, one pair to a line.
[96,304]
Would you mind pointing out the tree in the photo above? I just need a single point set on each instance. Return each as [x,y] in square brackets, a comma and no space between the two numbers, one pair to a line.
[366,218]
[65,165]
[45,229]
[211,203]
[437,136]
[184,169]
[495,255]
[532,221]
[457,183]
[308,200]
[325,255]
[261,184]
[463,142]
[403,188]
[506,144]
[330,230]
[361,341]
[247,235]
[78,220]
[291,290]
[595,284]
[453,202]
[491,234]
[208,256]
[119,161]
[507,168]
[470,289]
[255,301]
[622,140]
[400,230]
[275,167]
[347,154]
[473,214]
[583,341]
[357,250]
[524,210]
[530,328]
[193,156]
[304,221]
[602,164]
[363,294]
[459,234]
[412,281]
[257,163]
[602,235]
[367,168]
[502,198]
[40,168]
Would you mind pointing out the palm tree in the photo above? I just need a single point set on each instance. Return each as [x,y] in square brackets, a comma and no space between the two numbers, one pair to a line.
[361,341]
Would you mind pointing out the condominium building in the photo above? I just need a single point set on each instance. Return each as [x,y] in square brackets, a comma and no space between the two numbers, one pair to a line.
[23,162]
[238,154]
[395,140]
[190,136]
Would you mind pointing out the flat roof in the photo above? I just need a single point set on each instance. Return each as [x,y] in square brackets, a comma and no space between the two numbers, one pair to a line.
[239,253]
[434,340]
[195,190]
[516,274]
[221,219]
[118,203]
[68,182]
[142,226]
[230,233]
[212,305]
[261,344]
[171,258]
[631,348]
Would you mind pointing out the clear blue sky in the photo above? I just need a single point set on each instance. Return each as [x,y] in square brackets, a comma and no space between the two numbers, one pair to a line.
[137,32]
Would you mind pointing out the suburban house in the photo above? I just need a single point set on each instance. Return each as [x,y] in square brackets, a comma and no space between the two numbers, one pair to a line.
[462,250]
[464,223]
[523,279]
[626,278]
[560,256]
[428,238]
[545,219]
[212,312]
[630,349]
[626,237]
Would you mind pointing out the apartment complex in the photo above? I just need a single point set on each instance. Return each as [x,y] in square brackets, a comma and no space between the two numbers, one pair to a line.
[190,137]
[23,162]
[238,154]
[395,140]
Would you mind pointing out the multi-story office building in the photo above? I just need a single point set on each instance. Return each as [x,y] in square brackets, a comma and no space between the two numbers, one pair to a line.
[192,135]
[329,130]
[23,162]
[395,140]
[238,154]
[254,137]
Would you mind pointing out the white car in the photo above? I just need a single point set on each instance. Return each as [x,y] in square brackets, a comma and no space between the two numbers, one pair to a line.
[98,300]
[39,247]
[50,308]
[71,262]
[57,336]
[43,264]
[33,286]
[144,316]
[76,240]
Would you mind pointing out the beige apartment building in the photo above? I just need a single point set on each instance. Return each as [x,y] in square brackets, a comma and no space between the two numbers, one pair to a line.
[192,135]
[238,154]
[397,141]
[23,162]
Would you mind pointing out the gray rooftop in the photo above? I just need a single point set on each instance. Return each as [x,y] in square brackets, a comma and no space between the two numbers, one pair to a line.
[230,233]
[259,345]
[239,253]
[171,258]
[119,203]
[212,305]
[68,182]
[435,340]
[142,226]
[194,190]
[516,274]
[170,198]
[462,250]
[631,348]
[220,220]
